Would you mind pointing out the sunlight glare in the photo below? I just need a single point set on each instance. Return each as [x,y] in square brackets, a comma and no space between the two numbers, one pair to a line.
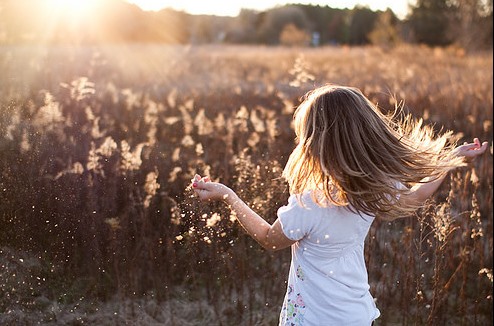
[151,4]
[71,8]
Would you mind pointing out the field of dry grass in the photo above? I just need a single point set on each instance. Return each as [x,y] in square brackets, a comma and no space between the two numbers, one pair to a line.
[98,146]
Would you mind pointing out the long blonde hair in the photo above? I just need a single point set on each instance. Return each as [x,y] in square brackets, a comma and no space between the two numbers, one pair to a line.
[355,156]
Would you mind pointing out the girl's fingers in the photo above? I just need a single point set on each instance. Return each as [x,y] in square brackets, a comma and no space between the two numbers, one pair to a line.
[475,149]
[475,145]
[195,181]
[480,146]
[198,180]
[201,185]
[472,146]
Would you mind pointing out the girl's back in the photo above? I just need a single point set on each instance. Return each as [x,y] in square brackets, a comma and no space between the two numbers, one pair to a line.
[328,278]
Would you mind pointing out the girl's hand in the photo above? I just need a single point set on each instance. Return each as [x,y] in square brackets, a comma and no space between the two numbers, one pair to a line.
[209,191]
[471,150]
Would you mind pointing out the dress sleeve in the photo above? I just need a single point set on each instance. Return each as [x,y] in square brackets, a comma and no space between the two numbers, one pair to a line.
[296,223]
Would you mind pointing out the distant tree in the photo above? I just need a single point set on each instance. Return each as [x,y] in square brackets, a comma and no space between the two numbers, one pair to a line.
[201,30]
[337,27]
[276,19]
[385,32]
[170,26]
[126,23]
[466,23]
[293,36]
[329,22]
[429,22]
[471,24]
[361,23]
[244,26]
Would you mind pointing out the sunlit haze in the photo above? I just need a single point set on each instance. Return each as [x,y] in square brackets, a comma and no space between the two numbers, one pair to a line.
[232,8]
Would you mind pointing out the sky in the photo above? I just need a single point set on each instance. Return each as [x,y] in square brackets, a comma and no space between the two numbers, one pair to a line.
[232,8]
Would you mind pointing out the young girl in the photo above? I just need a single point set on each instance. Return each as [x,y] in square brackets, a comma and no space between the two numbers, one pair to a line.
[351,164]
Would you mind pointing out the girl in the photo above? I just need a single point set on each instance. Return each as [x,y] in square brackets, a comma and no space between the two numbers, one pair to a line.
[351,164]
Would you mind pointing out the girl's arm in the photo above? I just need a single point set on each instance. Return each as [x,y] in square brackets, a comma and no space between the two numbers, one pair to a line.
[270,237]
[421,192]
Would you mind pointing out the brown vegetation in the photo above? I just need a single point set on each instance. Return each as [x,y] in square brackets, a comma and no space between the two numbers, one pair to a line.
[98,146]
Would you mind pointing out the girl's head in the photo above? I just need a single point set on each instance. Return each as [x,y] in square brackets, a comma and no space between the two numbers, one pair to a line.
[356,155]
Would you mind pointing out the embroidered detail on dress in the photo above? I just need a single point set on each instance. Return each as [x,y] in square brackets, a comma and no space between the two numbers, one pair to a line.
[293,309]
[300,273]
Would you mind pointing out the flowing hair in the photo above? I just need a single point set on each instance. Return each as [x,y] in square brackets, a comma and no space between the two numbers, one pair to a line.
[350,154]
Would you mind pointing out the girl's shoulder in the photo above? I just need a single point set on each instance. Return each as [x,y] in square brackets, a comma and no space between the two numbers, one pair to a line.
[298,205]
[309,203]
[314,204]
[316,200]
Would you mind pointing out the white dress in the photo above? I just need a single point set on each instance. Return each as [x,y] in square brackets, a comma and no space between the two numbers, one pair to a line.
[327,282]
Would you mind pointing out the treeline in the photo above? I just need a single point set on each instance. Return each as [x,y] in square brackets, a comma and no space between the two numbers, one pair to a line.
[465,23]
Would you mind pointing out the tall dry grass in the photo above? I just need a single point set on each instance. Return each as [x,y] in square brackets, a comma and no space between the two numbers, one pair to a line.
[98,146]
